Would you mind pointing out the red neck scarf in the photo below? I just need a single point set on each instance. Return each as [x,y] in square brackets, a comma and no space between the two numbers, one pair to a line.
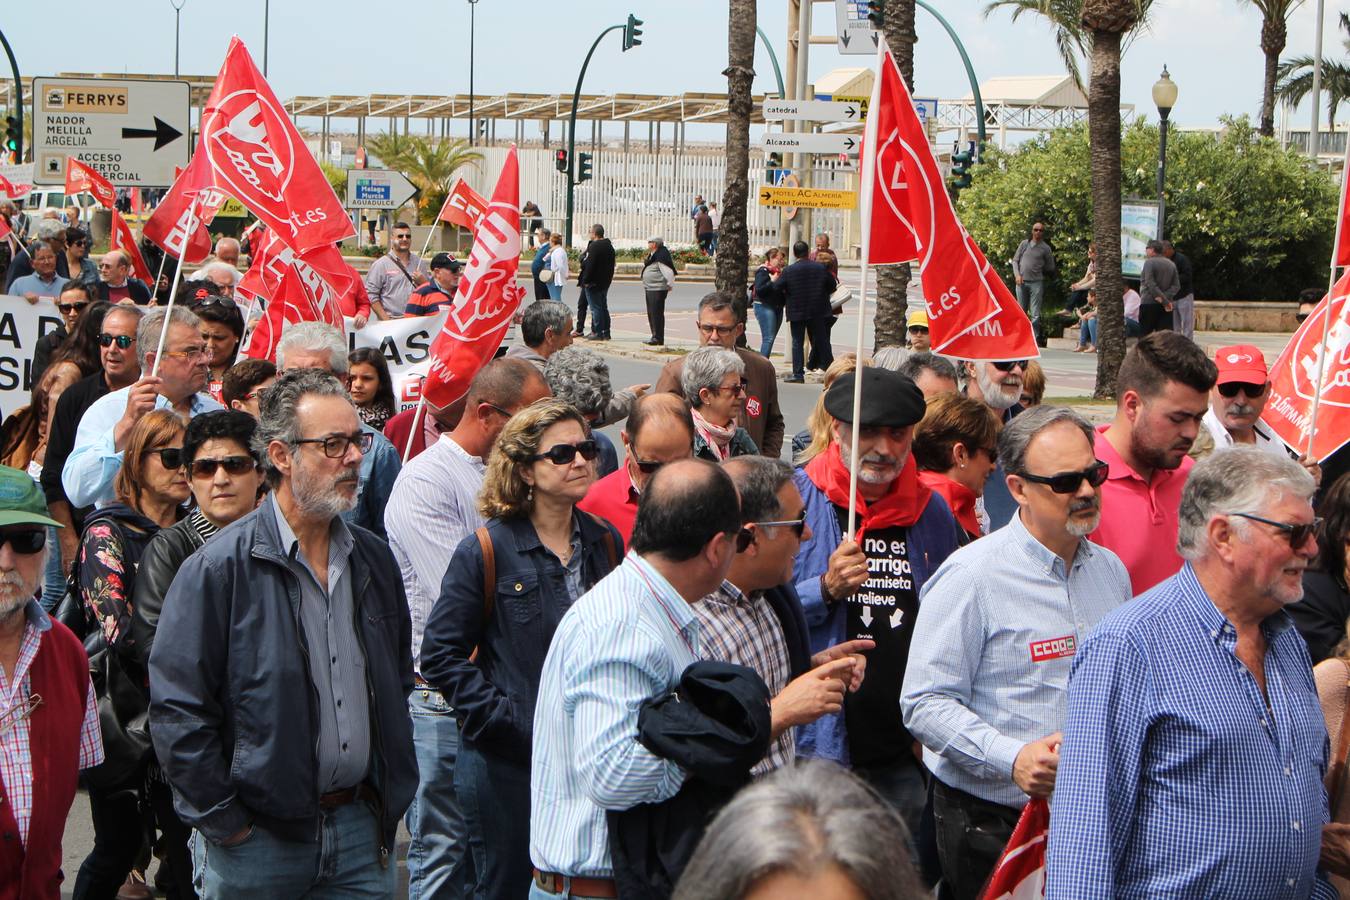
[901,506]
[959,497]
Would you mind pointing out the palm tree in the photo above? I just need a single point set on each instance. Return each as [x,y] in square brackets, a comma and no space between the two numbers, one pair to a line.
[893,281]
[1065,16]
[427,164]
[1274,34]
[1294,78]
[733,243]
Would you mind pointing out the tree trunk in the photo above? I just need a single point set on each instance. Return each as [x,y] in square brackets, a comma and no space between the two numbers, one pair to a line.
[1274,35]
[892,282]
[1104,134]
[733,242]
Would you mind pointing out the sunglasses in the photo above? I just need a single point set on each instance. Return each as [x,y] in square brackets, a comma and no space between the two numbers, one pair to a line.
[1230,390]
[565,454]
[169,457]
[233,465]
[68,308]
[1068,482]
[1009,365]
[205,299]
[24,542]
[918,329]
[1298,533]
[798,525]
[123,341]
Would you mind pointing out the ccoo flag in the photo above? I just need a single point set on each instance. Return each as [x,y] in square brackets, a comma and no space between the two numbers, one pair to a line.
[487,298]
[463,206]
[81,178]
[123,239]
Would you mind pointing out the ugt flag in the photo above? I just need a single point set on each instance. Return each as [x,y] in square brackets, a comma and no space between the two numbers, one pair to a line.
[123,239]
[81,178]
[1308,367]
[302,296]
[487,297]
[1020,873]
[178,224]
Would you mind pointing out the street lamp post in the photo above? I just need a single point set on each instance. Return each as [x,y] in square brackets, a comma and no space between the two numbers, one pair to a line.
[1164,97]
[177,15]
[473,123]
[267,15]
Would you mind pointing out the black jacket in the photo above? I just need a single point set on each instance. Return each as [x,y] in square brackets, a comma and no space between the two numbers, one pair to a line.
[805,287]
[1320,616]
[137,289]
[160,562]
[43,350]
[763,289]
[70,407]
[787,607]
[494,695]
[232,707]
[597,265]
[716,725]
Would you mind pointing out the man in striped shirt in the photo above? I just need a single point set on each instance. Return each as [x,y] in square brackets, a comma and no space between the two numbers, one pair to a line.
[627,640]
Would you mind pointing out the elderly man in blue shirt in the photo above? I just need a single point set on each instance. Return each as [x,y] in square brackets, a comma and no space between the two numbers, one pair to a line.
[1194,746]
[998,627]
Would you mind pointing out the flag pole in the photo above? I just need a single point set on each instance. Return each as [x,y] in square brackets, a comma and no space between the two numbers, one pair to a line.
[867,173]
[418,412]
[163,258]
[1326,313]
[243,338]
[173,285]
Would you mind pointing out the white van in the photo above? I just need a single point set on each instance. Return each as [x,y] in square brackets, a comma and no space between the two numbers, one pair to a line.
[78,208]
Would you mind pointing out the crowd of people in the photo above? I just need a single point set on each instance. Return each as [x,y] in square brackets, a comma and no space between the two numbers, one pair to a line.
[680,667]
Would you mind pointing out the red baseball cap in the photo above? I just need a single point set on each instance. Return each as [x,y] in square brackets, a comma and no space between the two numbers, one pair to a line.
[1241,362]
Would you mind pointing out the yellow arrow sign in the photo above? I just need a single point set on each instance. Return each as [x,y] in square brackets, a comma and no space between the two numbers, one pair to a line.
[816,198]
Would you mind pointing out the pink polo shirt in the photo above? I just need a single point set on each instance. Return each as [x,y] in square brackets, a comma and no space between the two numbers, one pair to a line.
[1139,519]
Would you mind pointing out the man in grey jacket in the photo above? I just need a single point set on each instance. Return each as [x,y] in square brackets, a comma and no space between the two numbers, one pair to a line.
[1158,285]
[1033,262]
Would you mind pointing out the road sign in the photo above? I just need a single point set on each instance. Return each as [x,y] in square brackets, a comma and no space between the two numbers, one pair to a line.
[132,132]
[811,111]
[812,143]
[377,189]
[816,198]
[852,27]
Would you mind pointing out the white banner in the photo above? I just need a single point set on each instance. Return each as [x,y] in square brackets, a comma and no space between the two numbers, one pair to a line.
[406,347]
[22,324]
[16,182]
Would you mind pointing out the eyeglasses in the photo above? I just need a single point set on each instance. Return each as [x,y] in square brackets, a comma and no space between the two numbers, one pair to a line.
[25,542]
[1009,365]
[123,341]
[722,330]
[1230,390]
[233,465]
[1298,533]
[169,457]
[188,353]
[742,387]
[1068,482]
[565,454]
[496,408]
[335,446]
[798,525]
[68,308]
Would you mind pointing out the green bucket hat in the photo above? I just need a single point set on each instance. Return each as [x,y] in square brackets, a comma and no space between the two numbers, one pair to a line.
[21,501]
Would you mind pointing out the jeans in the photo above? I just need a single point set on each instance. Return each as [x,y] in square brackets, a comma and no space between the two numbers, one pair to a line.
[494,795]
[343,862]
[656,314]
[119,836]
[1087,332]
[176,869]
[53,578]
[1131,329]
[971,835]
[820,343]
[598,300]
[554,291]
[770,319]
[1029,296]
[438,858]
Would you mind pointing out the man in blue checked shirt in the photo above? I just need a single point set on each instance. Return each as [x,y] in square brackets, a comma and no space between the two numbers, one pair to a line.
[626,640]
[1194,746]
[998,627]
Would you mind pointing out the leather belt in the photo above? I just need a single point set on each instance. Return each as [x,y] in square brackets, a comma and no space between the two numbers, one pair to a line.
[553,883]
[347,796]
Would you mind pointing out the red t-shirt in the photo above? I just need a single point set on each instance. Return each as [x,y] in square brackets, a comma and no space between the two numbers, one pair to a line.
[614,499]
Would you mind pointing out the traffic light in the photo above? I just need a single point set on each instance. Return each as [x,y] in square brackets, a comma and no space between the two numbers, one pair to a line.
[560,160]
[631,32]
[961,163]
[876,13]
[583,167]
[13,137]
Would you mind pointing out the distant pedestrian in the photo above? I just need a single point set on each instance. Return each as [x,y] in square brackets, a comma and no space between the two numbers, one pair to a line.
[597,273]
[716,215]
[557,268]
[768,305]
[658,277]
[703,230]
[393,277]
[534,221]
[1033,262]
[1159,284]
[805,287]
[539,272]
[1183,307]
[439,291]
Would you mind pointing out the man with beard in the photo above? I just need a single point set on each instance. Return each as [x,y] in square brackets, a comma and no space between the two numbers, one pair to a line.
[998,385]
[280,670]
[865,586]
[1162,397]
[996,634]
[42,667]
[1194,745]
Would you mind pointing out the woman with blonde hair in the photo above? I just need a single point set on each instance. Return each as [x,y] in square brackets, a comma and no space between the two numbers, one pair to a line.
[502,598]
[811,441]
[956,448]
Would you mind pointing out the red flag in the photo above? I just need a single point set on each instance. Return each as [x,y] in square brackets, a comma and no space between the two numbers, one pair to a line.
[893,236]
[1020,873]
[463,206]
[301,297]
[80,179]
[487,298]
[15,188]
[322,265]
[1007,335]
[256,155]
[122,239]
[1341,252]
[5,231]
[1294,379]
[168,224]
[958,283]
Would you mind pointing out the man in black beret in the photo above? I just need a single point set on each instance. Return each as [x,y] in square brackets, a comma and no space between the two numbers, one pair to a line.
[865,586]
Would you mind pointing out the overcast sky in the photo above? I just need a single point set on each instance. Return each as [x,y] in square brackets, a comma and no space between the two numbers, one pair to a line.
[345,47]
